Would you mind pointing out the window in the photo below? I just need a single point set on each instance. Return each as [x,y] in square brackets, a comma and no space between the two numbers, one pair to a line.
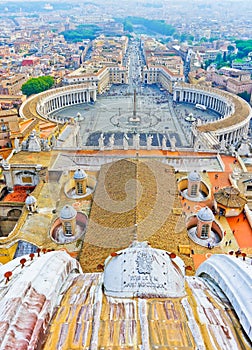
[68,229]
[79,188]
[204,231]
[194,190]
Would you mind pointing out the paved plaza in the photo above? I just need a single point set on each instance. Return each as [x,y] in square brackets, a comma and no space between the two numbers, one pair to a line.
[157,116]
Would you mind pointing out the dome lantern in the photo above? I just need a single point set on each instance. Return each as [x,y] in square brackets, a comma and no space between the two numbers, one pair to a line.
[68,219]
[194,180]
[205,219]
[80,179]
[31,203]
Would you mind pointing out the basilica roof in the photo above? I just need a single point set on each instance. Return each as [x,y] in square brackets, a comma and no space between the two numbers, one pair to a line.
[29,292]
[47,302]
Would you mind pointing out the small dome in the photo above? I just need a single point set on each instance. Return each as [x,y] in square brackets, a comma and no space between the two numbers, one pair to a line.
[30,200]
[79,174]
[194,176]
[68,212]
[205,214]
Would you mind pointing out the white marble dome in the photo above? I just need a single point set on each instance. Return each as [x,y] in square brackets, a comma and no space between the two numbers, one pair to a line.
[194,176]
[30,200]
[79,174]
[142,271]
[205,214]
[68,212]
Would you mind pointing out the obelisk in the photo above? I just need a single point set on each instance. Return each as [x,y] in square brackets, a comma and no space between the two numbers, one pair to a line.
[134,105]
[134,118]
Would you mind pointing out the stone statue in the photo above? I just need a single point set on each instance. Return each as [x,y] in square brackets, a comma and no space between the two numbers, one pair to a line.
[164,142]
[125,141]
[149,142]
[231,150]
[173,143]
[111,141]
[136,141]
[34,142]
[223,145]
[46,146]
[5,164]
[53,141]
[245,147]
[16,145]
[199,122]
[101,142]
[24,145]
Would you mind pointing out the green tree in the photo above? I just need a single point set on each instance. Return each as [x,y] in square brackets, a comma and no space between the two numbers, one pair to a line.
[244,47]
[203,39]
[128,27]
[36,85]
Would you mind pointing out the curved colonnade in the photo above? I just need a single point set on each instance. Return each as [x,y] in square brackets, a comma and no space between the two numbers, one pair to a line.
[235,113]
[47,102]
[233,124]
[233,276]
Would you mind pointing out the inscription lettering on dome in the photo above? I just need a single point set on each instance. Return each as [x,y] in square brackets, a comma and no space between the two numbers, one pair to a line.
[144,262]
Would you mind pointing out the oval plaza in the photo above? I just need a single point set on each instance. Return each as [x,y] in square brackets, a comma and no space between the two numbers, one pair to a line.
[230,126]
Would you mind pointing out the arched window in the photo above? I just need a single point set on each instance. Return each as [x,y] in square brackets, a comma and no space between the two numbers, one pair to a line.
[79,188]
[204,231]
[68,229]
[14,213]
[194,189]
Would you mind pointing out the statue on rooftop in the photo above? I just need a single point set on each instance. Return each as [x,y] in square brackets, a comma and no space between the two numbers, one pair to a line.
[34,144]
[101,142]
[173,141]
[149,141]
[125,141]
[136,141]
[16,145]
[111,141]
[53,141]
[164,142]
[46,146]
[223,145]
